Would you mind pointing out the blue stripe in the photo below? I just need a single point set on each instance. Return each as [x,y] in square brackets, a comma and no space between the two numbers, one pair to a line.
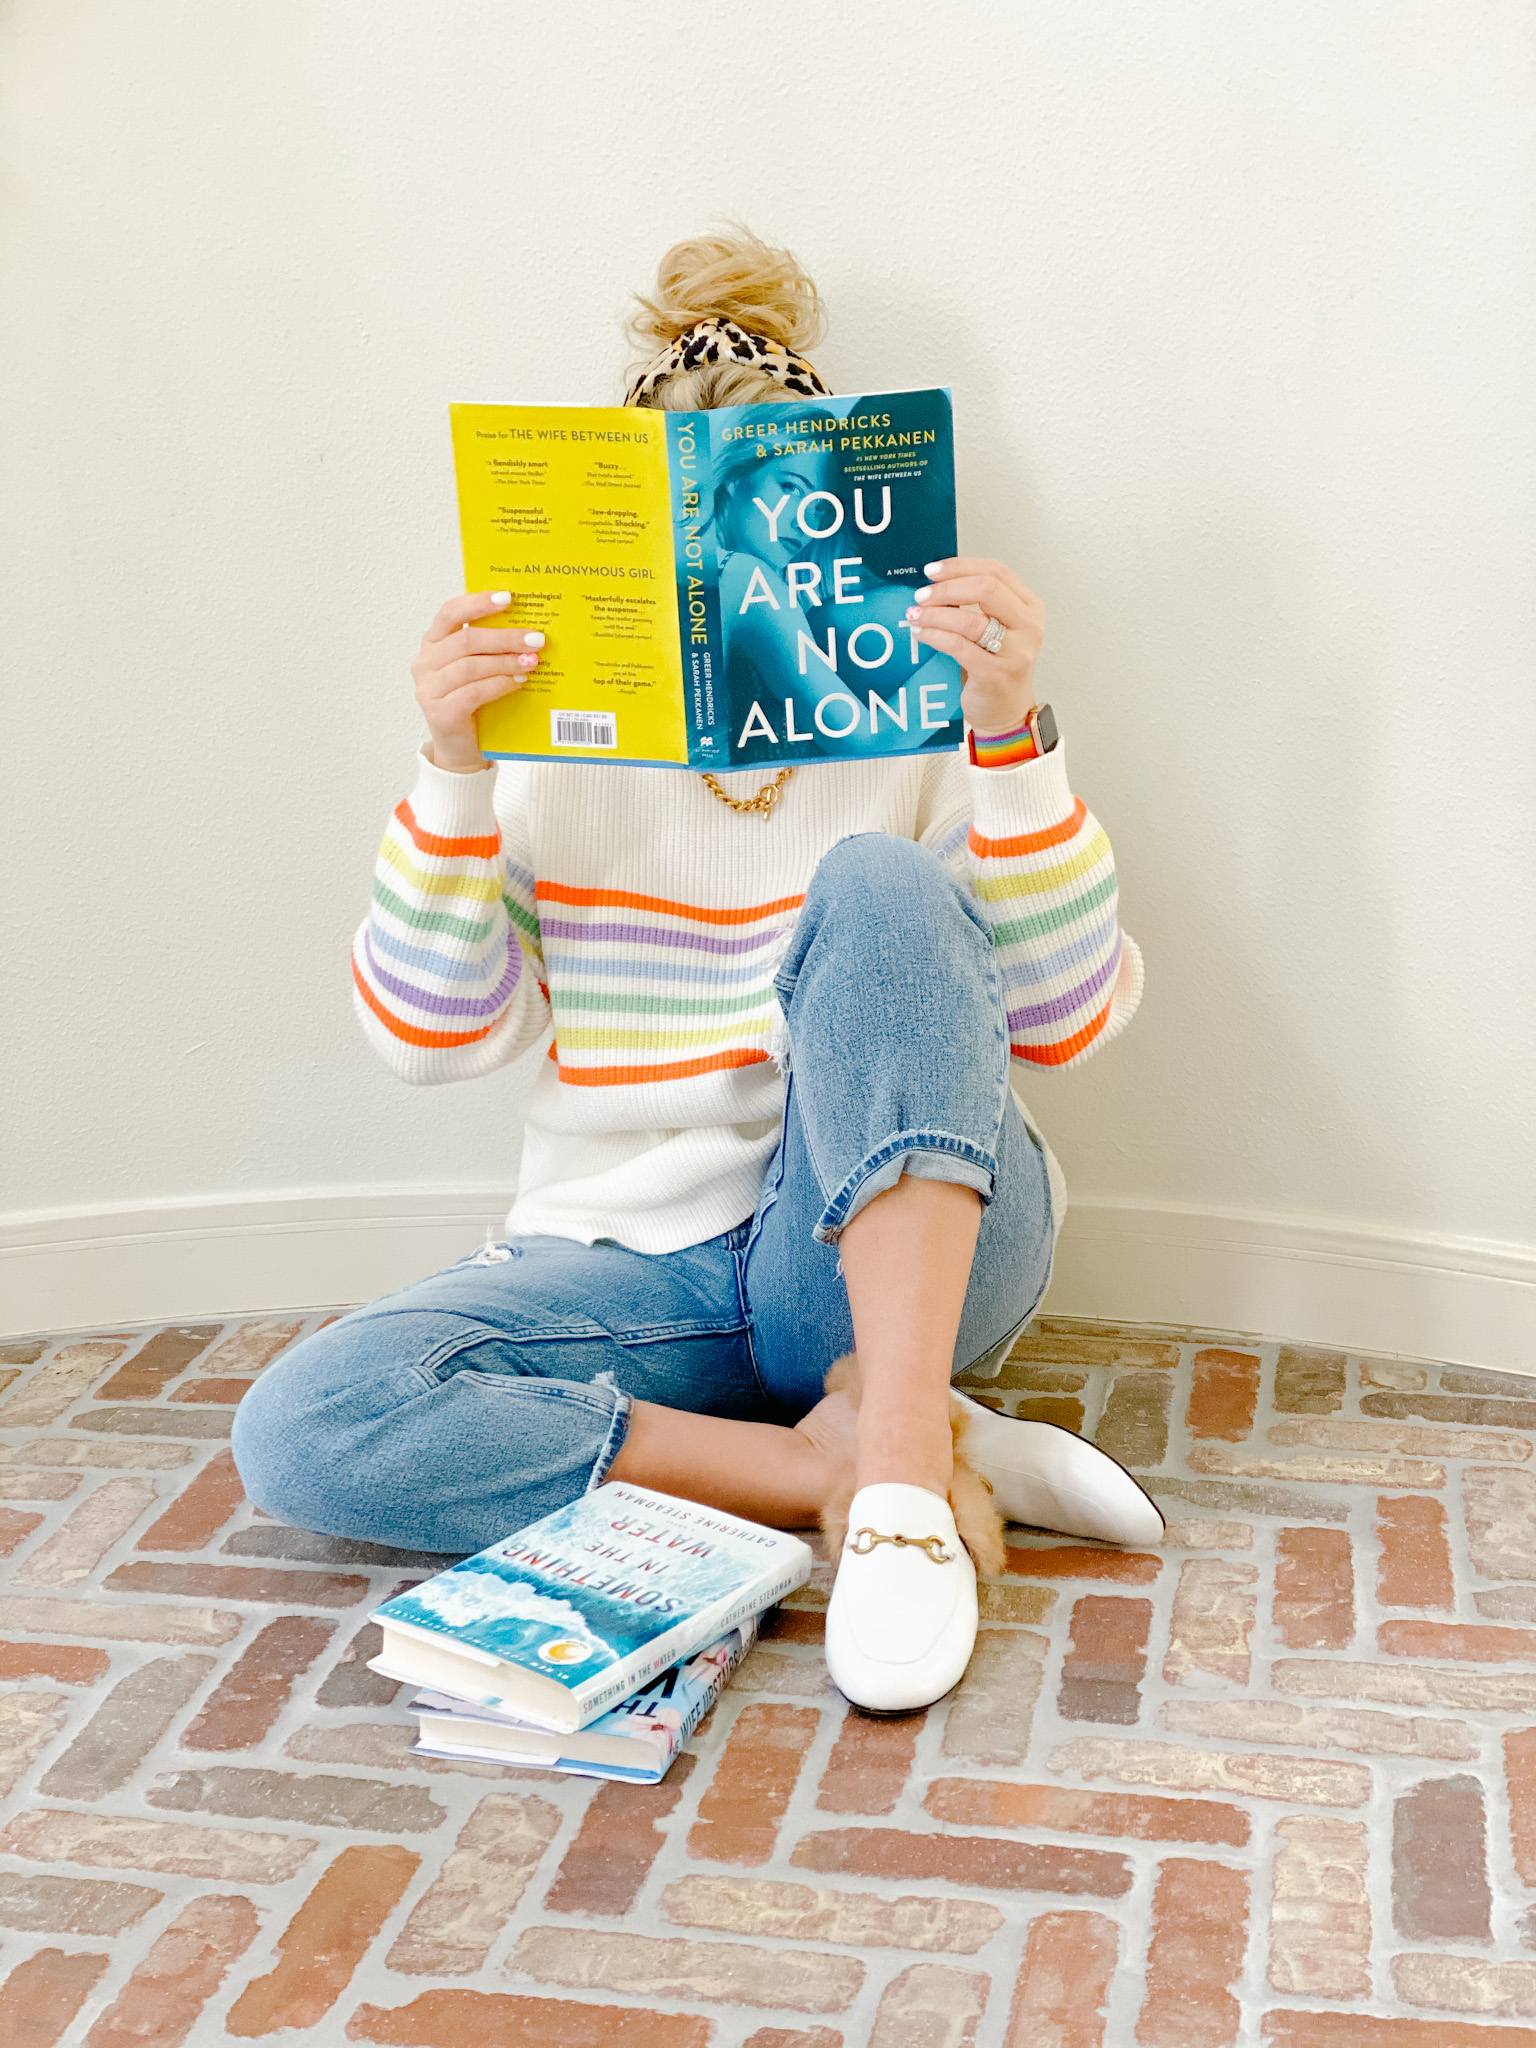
[446,969]
[444,1006]
[1038,1014]
[576,933]
[1023,969]
[953,844]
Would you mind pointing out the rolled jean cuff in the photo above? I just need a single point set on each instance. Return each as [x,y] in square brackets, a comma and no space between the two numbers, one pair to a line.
[925,1155]
[618,1427]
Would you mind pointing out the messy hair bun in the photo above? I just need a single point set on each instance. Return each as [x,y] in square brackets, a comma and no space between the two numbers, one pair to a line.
[733,276]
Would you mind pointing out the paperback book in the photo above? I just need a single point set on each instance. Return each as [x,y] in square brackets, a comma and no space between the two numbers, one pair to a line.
[717,589]
[565,1619]
[636,1741]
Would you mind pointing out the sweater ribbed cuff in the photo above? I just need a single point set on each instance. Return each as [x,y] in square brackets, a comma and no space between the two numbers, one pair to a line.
[1007,802]
[455,806]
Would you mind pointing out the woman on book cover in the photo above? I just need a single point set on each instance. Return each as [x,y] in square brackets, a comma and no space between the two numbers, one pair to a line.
[780,1029]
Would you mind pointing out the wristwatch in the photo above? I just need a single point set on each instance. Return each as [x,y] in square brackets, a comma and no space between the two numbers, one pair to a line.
[1037,735]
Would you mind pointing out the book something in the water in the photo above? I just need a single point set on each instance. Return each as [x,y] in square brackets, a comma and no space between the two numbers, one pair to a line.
[718,588]
[568,1617]
[636,1741]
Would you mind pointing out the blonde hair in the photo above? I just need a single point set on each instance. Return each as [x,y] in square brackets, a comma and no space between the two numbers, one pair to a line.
[731,276]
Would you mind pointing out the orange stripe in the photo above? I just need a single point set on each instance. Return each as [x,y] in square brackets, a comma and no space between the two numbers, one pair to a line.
[1057,1055]
[1030,842]
[409,1032]
[452,849]
[621,899]
[679,1070]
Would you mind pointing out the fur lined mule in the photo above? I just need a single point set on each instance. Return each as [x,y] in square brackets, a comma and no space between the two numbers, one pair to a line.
[970,1497]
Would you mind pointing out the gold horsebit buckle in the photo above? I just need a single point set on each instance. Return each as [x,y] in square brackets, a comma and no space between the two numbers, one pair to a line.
[933,1545]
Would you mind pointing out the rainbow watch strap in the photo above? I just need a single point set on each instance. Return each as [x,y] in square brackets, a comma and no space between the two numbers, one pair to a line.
[1003,749]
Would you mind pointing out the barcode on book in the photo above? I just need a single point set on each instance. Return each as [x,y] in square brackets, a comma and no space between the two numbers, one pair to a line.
[583,729]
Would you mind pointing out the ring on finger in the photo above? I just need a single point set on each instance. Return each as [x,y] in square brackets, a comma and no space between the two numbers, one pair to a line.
[991,636]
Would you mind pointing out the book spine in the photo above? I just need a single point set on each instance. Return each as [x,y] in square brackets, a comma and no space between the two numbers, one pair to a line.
[705,1697]
[710,1693]
[705,708]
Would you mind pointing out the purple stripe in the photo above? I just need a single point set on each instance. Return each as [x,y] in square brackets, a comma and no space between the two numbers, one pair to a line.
[650,935]
[448,1006]
[1063,1006]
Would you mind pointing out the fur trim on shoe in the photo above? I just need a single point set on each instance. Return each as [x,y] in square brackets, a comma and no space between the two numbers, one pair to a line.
[970,1498]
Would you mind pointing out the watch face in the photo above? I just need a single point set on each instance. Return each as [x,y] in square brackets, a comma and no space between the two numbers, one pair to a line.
[1045,728]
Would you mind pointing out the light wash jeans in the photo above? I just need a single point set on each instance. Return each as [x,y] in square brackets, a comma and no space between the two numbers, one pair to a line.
[446,1416]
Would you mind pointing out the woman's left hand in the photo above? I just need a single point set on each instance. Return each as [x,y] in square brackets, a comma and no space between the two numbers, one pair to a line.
[999,690]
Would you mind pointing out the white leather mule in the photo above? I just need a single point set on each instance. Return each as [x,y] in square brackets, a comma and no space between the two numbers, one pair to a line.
[1051,1479]
[901,1623]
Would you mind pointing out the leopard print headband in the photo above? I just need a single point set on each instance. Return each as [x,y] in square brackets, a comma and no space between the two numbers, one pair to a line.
[722,341]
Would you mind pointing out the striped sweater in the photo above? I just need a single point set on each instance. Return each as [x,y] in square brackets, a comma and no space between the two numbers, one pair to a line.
[633,921]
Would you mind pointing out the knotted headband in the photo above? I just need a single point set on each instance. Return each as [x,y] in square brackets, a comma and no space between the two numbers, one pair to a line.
[722,341]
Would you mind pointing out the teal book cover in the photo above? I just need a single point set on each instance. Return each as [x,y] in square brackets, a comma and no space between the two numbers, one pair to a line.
[571,1614]
[803,529]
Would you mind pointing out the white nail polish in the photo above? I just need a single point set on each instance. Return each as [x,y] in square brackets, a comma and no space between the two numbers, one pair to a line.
[924,594]
[932,568]
[501,597]
[533,639]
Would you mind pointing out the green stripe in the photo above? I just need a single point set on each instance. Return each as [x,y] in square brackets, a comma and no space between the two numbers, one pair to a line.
[595,999]
[1047,921]
[525,919]
[658,1041]
[431,920]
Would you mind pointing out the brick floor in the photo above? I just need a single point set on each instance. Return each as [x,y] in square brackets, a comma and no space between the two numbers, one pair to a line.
[1273,1786]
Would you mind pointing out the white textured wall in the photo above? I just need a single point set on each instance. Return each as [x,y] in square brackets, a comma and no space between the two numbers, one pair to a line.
[1237,305]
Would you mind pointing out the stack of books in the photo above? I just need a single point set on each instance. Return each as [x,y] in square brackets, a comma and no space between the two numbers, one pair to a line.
[593,1641]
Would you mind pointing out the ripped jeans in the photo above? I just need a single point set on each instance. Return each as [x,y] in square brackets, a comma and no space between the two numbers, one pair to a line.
[451,1413]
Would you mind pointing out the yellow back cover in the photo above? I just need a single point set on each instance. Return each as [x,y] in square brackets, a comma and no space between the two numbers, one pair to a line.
[569,507]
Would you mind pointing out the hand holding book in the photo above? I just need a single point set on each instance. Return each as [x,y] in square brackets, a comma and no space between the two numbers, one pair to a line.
[464,663]
[999,689]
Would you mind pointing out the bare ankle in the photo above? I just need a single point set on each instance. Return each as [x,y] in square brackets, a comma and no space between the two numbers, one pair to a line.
[907,1459]
[830,1430]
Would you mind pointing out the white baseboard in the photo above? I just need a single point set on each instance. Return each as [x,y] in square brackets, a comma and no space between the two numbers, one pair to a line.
[1458,1299]
[158,1262]
[1464,1300]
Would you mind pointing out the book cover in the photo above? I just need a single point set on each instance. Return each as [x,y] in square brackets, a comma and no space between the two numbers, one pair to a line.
[561,1621]
[717,589]
[636,1741]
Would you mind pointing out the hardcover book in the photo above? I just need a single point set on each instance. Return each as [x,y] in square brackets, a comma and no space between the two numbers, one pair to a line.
[560,1622]
[717,589]
[636,1741]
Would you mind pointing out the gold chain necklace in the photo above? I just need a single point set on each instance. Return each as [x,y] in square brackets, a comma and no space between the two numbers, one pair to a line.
[764,800]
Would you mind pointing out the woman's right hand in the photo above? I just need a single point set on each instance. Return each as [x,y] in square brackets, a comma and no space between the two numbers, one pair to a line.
[462,666]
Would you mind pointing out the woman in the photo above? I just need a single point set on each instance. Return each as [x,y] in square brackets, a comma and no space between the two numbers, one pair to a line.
[775,1123]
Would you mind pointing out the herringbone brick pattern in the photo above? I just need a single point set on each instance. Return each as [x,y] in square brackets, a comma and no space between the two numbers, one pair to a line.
[1274,1786]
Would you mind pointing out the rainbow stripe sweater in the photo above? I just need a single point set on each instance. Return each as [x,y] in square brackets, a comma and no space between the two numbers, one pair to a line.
[634,922]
